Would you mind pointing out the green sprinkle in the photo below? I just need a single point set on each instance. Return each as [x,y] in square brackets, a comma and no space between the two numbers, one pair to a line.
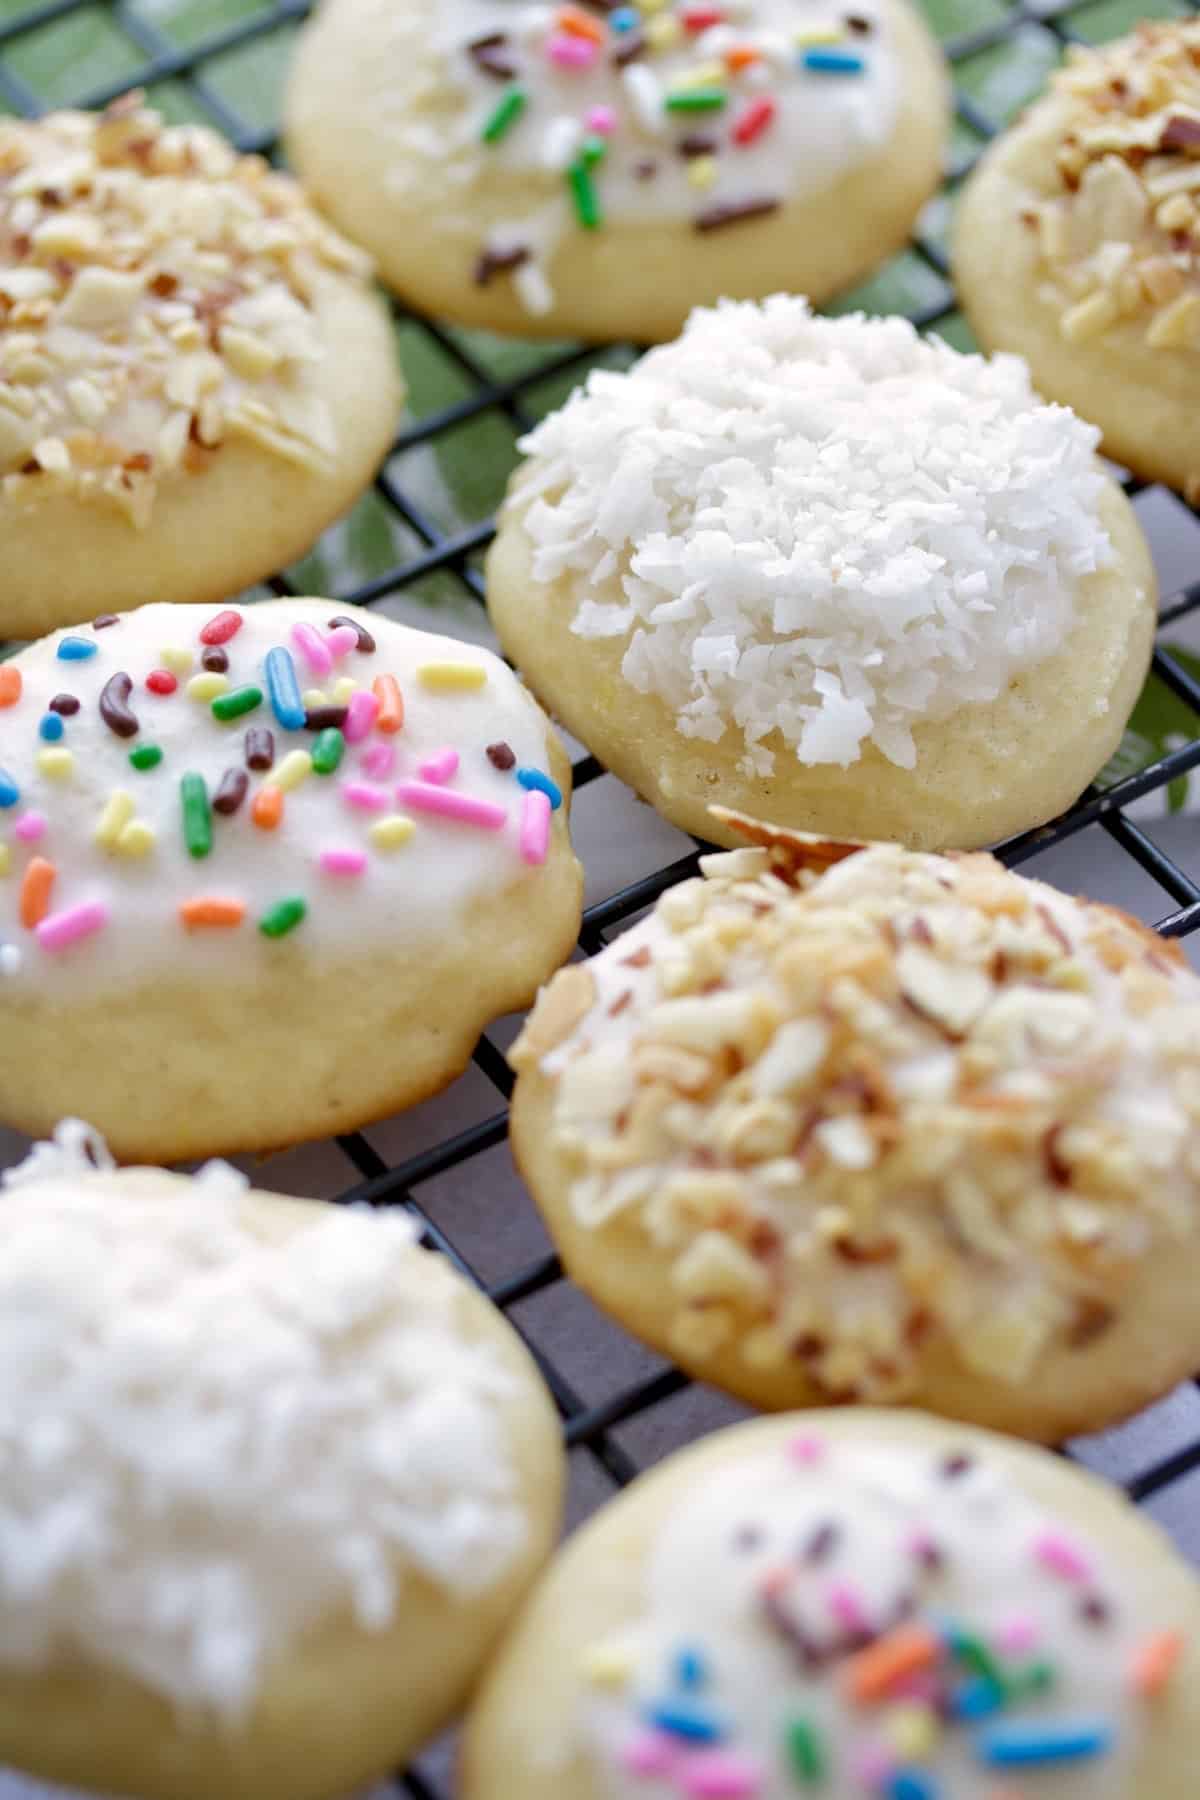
[1036,1679]
[197,817]
[146,756]
[975,1655]
[697,100]
[241,700]
[593,150]
[804,1752]
[283,917]
[509,109]
[327,750]
[587,206]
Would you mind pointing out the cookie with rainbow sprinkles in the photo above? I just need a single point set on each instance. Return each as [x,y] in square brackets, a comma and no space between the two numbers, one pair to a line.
[597,170]
[851,1607]
[265,871]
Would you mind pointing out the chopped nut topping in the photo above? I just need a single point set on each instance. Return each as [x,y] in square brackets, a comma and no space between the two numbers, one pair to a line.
[156,294]
[867,1101]
[1119,238]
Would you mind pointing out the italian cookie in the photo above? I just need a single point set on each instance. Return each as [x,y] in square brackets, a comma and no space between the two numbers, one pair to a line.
[274,1479]
[597,171]
[890,1609]
[265,873]
[1078,244]
[829,573]
[841,1122]
[195,377]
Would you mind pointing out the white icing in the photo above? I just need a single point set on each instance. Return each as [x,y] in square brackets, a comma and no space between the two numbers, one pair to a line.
[703,1592]
[211,1442]
[405,898]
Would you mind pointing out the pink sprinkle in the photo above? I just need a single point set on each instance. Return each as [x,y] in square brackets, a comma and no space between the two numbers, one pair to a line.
[364,796]
[361,714]
[1018,1636]
[651,1753]
[535,827]
[30,827]
[379,760]
[872,1765]
[441,767]
[451,804]
[806,1448]
[720,1775]
[920,1543]
[920,1685]
[313,648]
[340,640]
[602,120]
[846,1605]
[571,52]
[1055,1551]
[343,862]
[62,929]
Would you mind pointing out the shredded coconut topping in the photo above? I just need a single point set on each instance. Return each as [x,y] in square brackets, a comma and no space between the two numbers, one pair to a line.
[156,298]
[210,1442]
[823,529]
[865,1098]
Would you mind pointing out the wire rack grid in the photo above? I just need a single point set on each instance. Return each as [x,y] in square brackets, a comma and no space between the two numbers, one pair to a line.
[129,45]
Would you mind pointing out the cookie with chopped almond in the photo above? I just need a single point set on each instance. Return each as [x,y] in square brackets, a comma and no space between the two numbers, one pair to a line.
[1078,245]
[195,376]
[854,1123]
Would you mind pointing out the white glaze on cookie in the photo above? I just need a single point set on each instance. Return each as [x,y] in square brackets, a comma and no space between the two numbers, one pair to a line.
[775,1598]
[805,92]
[376,871]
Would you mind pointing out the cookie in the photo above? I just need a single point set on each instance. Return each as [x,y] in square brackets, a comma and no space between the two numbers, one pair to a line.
[889,1606]
[195,377]
[265,873]
[1075,245]
[830,573]
[841,1122]
[274,1480]
[548,170]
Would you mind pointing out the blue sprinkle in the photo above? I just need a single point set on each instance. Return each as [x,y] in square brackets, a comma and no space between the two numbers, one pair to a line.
[284,689]
[977,1699]
[682,1719]
[832,62]
[76,650]
[624,18]
[691,1670]
[51,728]
[533,778]
[1011,1745]
[10,793]
[911,1784]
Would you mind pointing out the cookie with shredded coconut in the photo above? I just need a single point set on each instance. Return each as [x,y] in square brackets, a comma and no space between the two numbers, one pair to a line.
[195,378]
[1078,245]
[851,1122]
[273,1478]
[831,573]
[595,171]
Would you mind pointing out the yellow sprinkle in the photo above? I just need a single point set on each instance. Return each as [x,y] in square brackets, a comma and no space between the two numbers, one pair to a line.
[344,689]
[606,1665]
[702,171]
[5,859]
[315,697]
[56,765]
[709,74]
[117,813]
[390,833]
[295,768]
[137,839]
[178,661]
[817,34]
[912,1732]
[207,686]
[663,33]
[449,676]
[653,6]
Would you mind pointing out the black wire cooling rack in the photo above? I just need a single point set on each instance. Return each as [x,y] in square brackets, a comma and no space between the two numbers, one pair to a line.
[592,1429]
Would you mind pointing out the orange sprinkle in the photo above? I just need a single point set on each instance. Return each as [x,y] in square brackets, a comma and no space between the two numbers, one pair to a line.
[391,703]
[873,1671]
[210,911]
[36,886]
[267,809]
[578,24]
[1154,1662]
[741,56]
[10,685]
